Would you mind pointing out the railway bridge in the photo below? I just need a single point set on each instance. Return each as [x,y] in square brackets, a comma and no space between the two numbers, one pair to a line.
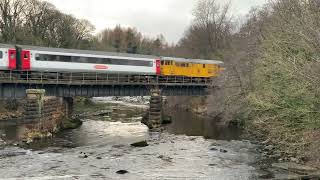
[35,85]
[14,84]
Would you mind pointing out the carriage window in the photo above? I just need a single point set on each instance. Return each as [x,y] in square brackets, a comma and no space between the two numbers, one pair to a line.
[37,57]
[162,62]
[204,66]
[95,60]
[12,55]
[1,54]
[25,56]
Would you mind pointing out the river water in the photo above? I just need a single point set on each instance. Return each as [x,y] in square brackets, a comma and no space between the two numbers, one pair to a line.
[189,148]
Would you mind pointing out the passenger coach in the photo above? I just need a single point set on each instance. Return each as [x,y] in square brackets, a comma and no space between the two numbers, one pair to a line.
[69,60]
[35,59]
[7,57]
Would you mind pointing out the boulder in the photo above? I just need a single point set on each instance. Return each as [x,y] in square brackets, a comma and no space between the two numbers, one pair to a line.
[122,172]
[223,151]
[165,158]
[140,144]
[213,149]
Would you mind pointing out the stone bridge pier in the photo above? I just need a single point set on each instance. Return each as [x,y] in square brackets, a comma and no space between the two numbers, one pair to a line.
[46,114]
[68,106]
[153,119]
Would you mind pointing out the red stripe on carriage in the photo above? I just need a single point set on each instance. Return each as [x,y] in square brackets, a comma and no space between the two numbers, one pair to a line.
[101,67]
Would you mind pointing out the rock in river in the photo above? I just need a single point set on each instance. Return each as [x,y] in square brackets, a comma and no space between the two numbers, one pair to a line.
[213,149]
[223,151]
[140,144]
[122,172]
[83,155]
[165,158]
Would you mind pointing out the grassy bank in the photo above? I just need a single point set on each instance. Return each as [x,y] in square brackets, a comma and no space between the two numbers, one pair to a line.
[284,102]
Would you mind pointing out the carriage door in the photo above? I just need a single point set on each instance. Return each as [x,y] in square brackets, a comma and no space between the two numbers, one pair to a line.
[12,53]
[25,59]
[158,67]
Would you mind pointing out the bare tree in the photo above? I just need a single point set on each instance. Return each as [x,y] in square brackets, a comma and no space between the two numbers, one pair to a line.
[11,19]
[38,17]
[210,30]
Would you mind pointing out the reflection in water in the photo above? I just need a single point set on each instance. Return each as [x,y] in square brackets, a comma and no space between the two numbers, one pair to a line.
[192,125]
[12,131]
[123,125]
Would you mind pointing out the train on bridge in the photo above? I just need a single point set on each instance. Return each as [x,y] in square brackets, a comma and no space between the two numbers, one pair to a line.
[43,59]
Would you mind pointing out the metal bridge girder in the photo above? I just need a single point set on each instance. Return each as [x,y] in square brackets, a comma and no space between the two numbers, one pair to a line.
[19,90]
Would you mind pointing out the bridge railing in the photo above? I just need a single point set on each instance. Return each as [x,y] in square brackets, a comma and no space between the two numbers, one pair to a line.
[87,78]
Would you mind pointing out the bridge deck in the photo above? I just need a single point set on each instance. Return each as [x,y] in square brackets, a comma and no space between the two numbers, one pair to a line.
[58,78]
[13,84]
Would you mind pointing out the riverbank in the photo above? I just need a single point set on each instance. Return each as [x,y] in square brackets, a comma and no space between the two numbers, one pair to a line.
[101,149]
[278,149]
[275,156]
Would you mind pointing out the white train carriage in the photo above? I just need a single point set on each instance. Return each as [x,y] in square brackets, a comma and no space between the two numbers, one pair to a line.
[7,57]
[70,60]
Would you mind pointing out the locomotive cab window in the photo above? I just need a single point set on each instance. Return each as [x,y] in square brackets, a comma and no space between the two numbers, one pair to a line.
[26,56]
[1,55]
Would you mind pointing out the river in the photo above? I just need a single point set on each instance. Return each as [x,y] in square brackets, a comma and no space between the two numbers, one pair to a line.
[189,148]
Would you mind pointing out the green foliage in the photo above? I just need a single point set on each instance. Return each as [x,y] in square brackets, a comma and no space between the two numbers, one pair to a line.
[285,99]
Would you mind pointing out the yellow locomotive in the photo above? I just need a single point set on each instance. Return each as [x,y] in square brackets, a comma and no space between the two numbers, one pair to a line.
[199,68]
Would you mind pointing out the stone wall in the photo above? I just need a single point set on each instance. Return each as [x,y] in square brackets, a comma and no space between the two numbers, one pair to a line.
[11,109]
[45,115]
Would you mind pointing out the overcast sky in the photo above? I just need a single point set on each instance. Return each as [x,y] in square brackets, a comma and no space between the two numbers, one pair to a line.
[151,17]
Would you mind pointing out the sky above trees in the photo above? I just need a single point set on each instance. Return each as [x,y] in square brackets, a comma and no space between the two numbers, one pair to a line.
[151,17]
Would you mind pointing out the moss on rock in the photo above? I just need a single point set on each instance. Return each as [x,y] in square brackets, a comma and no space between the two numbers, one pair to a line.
[71,123]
